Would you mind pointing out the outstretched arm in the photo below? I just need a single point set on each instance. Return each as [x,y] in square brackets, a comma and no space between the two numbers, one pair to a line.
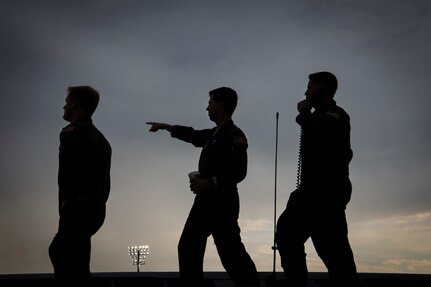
[198,138]
[159,126]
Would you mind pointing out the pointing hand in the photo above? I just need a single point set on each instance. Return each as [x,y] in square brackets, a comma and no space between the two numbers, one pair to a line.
[158,126]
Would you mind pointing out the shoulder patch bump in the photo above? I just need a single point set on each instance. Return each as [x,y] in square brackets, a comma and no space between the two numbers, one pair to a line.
[334,115]
[239,140]
[68,128]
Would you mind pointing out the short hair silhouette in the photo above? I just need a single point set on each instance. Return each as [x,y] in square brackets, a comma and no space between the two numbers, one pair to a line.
[86,97]
[226,95]
[327,79]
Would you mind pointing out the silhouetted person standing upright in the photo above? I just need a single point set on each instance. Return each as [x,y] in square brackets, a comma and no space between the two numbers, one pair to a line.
[215,211]
[84,186]
[316,208]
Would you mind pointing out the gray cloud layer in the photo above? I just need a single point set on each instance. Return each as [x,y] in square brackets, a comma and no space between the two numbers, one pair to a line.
[156,60]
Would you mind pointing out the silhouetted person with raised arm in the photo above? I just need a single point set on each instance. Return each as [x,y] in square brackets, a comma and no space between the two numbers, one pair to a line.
[316,208]
[83,188]
[215,211]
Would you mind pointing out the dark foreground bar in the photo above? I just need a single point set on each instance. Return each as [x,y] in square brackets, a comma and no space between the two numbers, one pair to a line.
[213,279]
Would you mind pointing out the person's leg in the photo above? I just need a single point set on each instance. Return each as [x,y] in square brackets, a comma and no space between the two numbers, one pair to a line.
[330,238]
[233,255]
[191,250]
[70,250]
[292,233]
[70,257]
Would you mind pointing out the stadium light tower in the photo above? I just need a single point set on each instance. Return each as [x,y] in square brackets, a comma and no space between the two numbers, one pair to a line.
[139,254]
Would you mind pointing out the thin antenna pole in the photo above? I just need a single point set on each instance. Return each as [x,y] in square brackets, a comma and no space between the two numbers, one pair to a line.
[274,246]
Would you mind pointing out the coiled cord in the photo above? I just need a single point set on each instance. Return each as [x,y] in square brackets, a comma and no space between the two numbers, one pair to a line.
[298,171]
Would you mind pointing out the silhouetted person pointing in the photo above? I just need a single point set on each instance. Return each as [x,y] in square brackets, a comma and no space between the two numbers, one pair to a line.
[215,211]
[83,188]
[316,208]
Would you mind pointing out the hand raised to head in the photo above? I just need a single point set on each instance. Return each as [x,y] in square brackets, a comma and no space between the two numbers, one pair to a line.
[304,106]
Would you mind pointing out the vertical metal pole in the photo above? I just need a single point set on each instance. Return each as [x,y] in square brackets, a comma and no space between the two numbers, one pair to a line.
[274,247]
[138,259]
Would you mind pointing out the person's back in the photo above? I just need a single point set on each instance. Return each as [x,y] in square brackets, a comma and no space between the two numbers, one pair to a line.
[326,152]
[85,160]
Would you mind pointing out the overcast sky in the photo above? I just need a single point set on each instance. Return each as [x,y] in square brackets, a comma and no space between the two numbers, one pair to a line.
[157,60]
